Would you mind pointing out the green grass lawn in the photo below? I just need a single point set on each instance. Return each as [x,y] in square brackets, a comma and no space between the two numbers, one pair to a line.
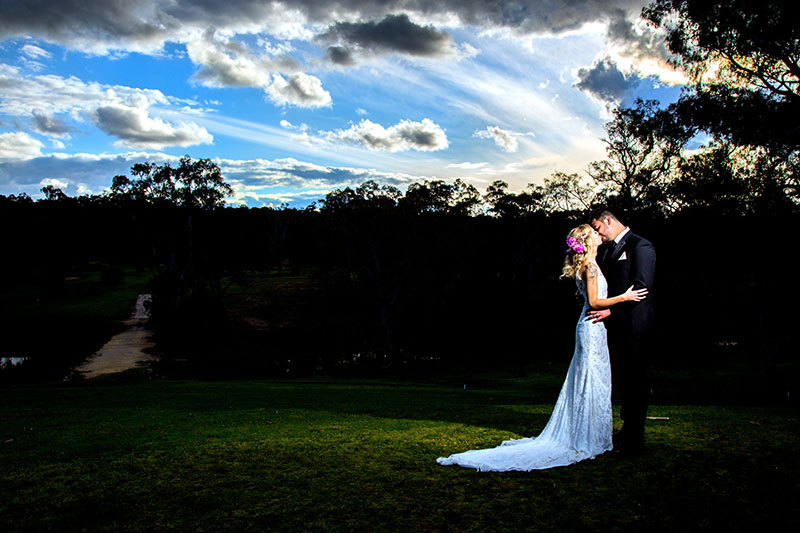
[131,454]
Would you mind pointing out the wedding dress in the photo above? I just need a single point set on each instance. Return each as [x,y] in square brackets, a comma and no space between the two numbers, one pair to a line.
[580,426]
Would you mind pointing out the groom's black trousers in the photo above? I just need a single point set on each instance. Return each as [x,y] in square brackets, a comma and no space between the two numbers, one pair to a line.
[628,351]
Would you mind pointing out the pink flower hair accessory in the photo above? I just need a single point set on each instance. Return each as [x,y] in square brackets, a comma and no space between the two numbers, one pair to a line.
[574,246]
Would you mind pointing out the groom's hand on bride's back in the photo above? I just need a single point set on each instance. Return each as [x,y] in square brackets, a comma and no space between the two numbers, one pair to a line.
[598,315]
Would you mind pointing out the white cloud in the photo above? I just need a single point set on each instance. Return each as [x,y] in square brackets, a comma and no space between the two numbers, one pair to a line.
[124,112]
[19,146]
[425,136]
[275,49]
[302,138]
[289,180]
[34,52]
[228,63]
[31,54]
[302,90]
[468,166]
[53,182]
[47,95]
[502,138]
[136,129]
[467,51]
[285,124]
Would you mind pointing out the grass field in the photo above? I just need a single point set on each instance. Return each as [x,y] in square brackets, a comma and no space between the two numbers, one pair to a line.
[127,454]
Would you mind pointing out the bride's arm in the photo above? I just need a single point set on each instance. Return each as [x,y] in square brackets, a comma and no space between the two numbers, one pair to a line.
[589,275]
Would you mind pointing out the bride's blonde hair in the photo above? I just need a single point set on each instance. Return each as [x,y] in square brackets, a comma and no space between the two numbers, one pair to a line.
[580,247]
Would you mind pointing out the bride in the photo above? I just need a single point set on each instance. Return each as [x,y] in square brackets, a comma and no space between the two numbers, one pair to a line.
[580,426]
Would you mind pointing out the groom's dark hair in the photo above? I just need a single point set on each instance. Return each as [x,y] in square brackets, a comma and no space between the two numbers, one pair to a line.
[599,213]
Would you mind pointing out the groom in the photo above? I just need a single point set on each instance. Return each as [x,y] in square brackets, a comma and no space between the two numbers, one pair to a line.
[627,259]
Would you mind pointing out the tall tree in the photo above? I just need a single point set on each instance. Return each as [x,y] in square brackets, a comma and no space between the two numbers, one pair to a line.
[744,60]
[54,194]
[367,195]
[712,181]
[196,184]
[566,192]
[643,146]
[504,204]
[438,196]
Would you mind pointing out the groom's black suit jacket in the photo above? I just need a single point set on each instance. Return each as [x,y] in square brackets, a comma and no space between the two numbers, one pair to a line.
[630,262]
[630,328]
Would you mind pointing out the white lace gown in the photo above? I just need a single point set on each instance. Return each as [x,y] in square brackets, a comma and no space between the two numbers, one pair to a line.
[580,426]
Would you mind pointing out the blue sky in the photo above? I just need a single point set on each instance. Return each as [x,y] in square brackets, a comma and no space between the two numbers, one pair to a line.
[295,99]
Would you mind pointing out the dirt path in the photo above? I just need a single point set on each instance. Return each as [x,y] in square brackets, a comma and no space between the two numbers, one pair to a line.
[125,350]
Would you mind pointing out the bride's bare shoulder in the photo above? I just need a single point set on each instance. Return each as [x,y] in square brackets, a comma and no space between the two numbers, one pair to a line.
[588,270]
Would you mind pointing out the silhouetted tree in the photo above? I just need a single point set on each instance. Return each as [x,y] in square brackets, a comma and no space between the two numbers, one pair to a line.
[437,196]
[504,204]
[744,60]
[709,181]
[193,184]
[566,192]
[643,150]
[16,199]
[54,194]
[367,195]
